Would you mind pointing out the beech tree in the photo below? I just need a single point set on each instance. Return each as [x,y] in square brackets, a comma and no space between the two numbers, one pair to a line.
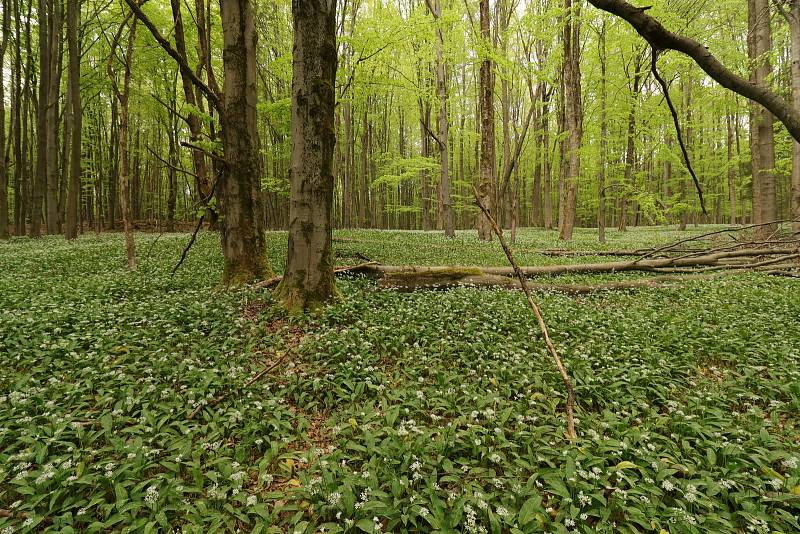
[238,183]
[486,184]
[308,281]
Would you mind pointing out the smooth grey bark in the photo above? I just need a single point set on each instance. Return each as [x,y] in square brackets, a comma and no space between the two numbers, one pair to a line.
[793,17]
[425,151]
[444,131]
[547,209]
[20,104]
[308,281]
[573,117]
[762,139]
[601,172]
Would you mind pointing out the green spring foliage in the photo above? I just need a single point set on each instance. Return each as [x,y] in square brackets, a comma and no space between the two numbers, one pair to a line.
[422,412]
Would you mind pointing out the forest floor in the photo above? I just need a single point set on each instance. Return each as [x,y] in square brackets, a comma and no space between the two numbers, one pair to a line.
[125,402]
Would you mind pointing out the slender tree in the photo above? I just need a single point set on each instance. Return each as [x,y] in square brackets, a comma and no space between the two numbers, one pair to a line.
[6,31]
[122,94]
[486,183]
[74,77]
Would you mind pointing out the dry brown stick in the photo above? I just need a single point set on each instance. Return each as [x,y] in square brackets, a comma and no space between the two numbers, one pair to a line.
[738,266]
[537,312]
[717,232]
[248,384]
[735,246]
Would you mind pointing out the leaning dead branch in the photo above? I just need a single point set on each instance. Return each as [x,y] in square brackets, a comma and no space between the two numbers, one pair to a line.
[550,347]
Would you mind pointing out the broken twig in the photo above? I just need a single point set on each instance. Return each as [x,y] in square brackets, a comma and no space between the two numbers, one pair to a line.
[561,369]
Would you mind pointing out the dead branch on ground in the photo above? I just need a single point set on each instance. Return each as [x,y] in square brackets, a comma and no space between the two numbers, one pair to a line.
[550,347]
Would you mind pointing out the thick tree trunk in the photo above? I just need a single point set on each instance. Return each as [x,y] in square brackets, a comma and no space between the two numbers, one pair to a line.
[74,75]
[486,183]
[309,282]
[573,115]
[729,259]
[762,143]
[242,234]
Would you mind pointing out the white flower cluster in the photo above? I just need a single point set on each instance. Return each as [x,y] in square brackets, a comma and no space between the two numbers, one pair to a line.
[151,496]
[471,525]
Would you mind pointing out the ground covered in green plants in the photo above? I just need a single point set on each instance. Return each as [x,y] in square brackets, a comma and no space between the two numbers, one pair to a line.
[389,412]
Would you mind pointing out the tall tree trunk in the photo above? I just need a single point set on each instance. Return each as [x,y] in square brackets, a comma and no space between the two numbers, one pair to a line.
[762,143]
[122,95]
[40,180]
[6,31]
[425,152]
[346,171]
[537,218]
[202,181]
[113,167]
[20,120]
[242,233]
[54,79]
[573,114]
[546,166]
[172,172]
[687,134]
[309,281]
[74,79]
[601,174]
[444,132]
[486,184]
[794,27]
[732,169]
[364,210]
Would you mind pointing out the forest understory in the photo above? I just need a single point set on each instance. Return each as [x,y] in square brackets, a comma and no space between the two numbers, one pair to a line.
[146,402]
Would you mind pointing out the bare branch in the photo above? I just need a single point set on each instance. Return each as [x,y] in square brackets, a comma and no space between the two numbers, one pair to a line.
[537,312]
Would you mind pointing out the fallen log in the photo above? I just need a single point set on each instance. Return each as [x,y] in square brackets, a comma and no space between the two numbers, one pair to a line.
[444,273]
[413,277]
[491,281]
